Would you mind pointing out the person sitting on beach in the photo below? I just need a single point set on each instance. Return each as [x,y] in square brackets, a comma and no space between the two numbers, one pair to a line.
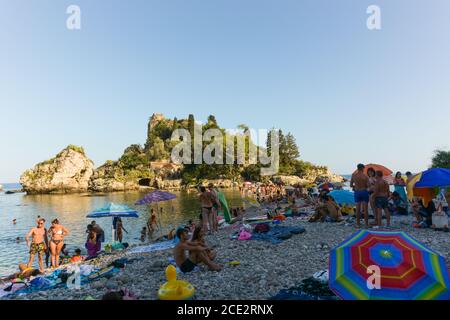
[197,254]
[327,210]
[423,214]
[38,244]
[77,256]
[24,273]
[169,236]
[198,238]
[397,204]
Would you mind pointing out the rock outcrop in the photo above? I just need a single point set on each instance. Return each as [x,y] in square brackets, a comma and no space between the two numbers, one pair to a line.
[68,172]
[110,177]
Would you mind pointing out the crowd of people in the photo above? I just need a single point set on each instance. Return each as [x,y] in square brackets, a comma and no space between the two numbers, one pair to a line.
[373,196]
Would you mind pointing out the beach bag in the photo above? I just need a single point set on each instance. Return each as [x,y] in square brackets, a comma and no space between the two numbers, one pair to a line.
[244,235]
[439,220]
[262,228]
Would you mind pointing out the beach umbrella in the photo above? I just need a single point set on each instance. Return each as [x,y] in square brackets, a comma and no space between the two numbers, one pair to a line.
[290,188]
[408,270]
[343,197]
[427,183]
[114,211]
[326,185]
[156,197]
[377,167]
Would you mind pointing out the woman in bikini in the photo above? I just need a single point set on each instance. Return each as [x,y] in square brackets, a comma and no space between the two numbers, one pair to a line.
[57,233]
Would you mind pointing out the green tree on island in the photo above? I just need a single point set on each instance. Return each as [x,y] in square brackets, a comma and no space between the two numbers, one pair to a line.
[441,159]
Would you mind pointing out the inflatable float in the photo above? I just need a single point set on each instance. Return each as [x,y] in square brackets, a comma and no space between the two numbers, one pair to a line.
[175,289]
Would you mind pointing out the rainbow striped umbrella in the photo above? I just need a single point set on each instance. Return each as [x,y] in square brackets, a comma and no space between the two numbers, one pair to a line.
[408,270]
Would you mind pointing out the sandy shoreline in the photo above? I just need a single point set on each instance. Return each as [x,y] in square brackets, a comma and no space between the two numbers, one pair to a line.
[265,268]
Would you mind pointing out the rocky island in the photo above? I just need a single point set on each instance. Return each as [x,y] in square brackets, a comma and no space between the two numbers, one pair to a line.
[149,166]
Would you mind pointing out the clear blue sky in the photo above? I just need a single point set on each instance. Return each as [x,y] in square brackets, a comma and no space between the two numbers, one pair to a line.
[312,67]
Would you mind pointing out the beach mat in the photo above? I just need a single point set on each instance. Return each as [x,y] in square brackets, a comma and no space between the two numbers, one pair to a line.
[160,246]
[277,234]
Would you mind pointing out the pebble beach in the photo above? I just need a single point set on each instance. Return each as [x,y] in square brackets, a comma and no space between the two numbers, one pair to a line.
[264,268]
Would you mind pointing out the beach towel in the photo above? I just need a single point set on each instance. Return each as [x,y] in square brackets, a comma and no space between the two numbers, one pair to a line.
[277,234]
[309,289]
[160,246]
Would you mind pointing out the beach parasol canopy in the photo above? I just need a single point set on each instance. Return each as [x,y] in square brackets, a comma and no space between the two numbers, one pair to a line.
[343,197]
[113,210]
[408,269]
[377,167]
[156,196]
[326,185]
[427,183]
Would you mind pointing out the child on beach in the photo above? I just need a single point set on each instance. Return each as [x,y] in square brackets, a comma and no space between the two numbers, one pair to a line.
[77,256]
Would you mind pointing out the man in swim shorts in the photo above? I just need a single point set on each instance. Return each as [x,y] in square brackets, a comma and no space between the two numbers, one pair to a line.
[360,185]
[381,195]
[38,244]
[197,254]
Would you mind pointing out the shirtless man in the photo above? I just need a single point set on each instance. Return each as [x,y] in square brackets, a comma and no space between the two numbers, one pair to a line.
[197,254]
[381,195]
[360,185]
[38,244]
[206,200]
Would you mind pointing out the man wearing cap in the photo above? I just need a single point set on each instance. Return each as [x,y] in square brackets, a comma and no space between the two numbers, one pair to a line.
[197,253]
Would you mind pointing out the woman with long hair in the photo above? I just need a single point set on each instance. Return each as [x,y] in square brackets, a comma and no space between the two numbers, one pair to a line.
[399,186]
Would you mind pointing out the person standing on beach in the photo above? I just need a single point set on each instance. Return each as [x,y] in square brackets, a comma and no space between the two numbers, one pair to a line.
[206,201]
[38,244]
[57,233]
[120,228]
[360,185]
[216,206]
[381,194]
[152,223]
[372,182]
[400,186]
[100,233]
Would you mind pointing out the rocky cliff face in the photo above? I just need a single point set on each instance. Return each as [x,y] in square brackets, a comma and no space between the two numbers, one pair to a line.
[110,177]
[68,172]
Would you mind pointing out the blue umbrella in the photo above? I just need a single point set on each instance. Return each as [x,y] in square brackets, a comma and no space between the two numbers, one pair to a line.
[437,177]
[343,196]
[114,210]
